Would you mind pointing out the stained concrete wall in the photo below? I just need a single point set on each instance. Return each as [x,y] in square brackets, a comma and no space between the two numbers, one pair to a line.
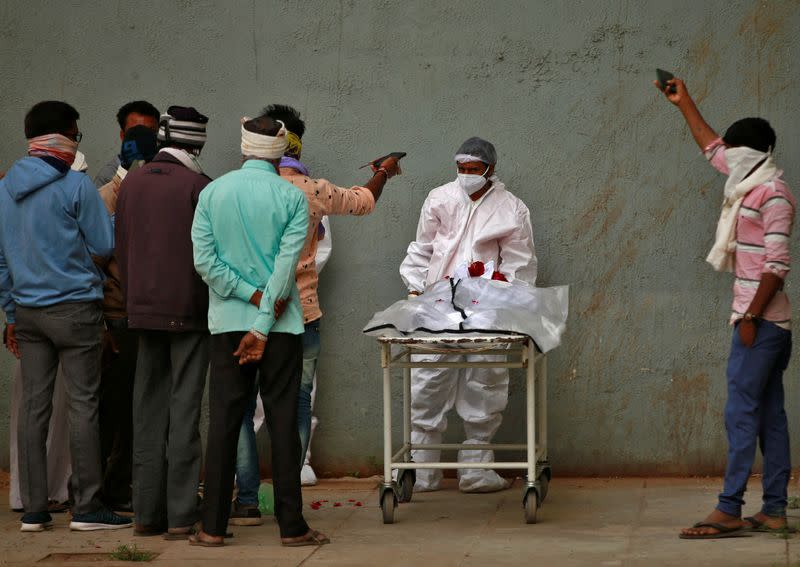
[623,205]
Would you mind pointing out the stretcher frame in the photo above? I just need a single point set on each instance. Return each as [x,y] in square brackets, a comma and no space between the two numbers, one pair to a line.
[520,352]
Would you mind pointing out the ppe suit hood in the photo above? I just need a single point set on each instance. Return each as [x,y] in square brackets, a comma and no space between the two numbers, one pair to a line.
[29,175]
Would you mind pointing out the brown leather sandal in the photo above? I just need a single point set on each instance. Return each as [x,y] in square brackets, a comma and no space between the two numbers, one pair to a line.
[313,537]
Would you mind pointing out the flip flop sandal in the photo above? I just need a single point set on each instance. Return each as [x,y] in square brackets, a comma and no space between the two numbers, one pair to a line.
[761,527]
[722,531]
[314,538]
[194,540]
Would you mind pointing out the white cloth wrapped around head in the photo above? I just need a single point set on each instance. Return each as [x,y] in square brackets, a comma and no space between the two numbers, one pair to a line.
[261,146]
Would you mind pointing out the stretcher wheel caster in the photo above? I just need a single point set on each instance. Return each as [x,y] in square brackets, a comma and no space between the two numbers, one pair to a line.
[544,485]
[388,504]
[531,505]
[405,482]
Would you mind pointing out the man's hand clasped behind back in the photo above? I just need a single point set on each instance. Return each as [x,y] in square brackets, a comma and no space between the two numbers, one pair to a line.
[251,347]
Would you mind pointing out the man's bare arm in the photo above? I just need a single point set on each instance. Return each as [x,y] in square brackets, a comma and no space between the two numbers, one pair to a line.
[703,133]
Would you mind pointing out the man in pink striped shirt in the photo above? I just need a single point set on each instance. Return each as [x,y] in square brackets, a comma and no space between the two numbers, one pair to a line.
[753,241]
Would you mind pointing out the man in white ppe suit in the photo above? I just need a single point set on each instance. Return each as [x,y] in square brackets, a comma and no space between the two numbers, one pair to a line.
[471,219]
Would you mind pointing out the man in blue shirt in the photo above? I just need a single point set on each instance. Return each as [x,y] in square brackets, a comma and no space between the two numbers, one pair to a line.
[52,221]
[248,231]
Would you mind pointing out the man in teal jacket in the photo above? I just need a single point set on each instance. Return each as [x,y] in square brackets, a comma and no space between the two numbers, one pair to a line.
[249,228]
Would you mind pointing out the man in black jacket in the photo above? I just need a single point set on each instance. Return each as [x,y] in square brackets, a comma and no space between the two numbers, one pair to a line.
[168,303]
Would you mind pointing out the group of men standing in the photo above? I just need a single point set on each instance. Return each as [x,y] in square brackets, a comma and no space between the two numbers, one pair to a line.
[135,284]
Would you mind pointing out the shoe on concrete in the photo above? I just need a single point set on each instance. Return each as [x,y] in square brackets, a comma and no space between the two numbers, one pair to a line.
[307,476]
[100,520]
[36,522]
[245,515]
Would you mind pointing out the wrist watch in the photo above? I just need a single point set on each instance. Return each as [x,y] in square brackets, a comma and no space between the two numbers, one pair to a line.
[749,316]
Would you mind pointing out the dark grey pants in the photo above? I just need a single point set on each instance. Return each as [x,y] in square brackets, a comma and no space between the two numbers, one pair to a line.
[72,334]
[168,389]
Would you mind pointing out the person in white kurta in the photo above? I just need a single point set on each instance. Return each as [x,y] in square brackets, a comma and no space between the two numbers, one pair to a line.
[472,219]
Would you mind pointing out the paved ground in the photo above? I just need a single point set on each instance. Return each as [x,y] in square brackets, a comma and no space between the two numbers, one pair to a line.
[606,522]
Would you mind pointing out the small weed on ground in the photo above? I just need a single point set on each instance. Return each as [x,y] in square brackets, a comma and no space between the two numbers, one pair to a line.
[783,533]
[794,502]
[132,553]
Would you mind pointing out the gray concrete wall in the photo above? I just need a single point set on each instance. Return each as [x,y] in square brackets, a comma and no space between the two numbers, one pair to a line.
[623,205]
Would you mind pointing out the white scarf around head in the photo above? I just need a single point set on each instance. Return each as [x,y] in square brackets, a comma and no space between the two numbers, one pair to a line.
[187,159]
[265,147]
[741,161]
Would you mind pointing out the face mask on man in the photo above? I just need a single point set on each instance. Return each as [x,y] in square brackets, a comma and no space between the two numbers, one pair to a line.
[741,160]
[472,183]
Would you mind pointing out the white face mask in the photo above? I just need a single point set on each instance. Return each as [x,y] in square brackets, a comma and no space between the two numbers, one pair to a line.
[741,160]
[472,183]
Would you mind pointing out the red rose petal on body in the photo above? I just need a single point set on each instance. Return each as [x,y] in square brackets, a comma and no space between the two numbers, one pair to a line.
[476,269]
[499,277]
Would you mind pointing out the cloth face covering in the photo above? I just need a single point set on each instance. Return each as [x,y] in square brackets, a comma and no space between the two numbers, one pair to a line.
[472,183]
[261,146]
[55,145]
[741,160]
[187,159]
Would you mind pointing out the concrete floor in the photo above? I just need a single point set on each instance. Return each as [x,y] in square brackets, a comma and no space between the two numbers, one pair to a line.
[606,522]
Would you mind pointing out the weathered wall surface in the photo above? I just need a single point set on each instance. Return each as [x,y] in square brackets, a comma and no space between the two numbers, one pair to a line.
[622,203]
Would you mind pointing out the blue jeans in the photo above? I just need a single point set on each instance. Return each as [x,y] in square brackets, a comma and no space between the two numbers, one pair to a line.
[311,348]
[248,474]
[754,413]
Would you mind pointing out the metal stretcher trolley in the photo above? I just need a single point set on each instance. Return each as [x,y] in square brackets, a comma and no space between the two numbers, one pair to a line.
[520,352]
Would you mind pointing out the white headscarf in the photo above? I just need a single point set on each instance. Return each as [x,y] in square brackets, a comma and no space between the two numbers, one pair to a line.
[261,146]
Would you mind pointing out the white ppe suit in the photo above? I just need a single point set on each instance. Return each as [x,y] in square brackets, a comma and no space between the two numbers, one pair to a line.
[454,230]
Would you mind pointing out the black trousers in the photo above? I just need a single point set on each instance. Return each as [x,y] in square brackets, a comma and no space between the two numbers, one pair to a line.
[230,388]
[116,414]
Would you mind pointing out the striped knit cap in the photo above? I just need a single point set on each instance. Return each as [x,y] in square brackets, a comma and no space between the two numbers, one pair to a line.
[182,125]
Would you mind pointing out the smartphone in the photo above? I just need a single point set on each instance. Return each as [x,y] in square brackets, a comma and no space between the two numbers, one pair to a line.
[664,76]
[377,162]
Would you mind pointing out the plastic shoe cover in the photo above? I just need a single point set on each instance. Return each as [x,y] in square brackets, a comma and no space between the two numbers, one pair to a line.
[481,480]
[428,480]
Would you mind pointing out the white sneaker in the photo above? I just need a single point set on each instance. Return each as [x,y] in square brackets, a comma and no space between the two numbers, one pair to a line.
[307,476]
[36,522]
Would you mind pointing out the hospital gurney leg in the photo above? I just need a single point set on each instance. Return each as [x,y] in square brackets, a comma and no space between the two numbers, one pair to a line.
[543,465]
[406,477]
[387,494]
[530,500]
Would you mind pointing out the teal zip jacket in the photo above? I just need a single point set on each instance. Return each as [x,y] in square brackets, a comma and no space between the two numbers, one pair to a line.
[249,228]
